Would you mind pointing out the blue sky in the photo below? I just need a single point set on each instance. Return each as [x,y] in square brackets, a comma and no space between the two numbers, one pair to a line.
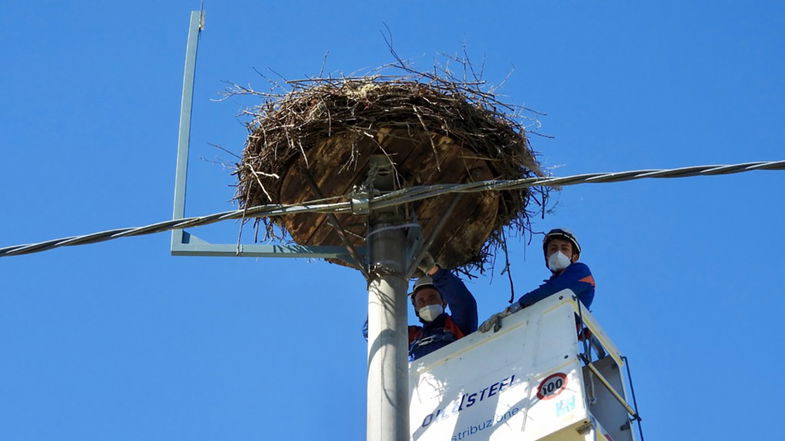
[122,341]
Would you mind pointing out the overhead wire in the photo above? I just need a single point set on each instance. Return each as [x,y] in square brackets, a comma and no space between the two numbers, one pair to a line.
[398,197]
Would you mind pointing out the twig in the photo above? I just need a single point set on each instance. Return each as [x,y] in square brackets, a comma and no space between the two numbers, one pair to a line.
[225,150]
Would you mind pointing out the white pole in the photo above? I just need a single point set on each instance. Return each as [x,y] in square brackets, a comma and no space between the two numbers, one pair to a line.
[388,368]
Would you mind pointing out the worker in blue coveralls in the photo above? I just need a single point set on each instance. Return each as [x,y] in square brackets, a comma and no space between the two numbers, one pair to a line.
[561,250]
[435,290]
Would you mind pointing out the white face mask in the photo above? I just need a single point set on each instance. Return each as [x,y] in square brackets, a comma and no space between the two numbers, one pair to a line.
[430,312]
[558,261]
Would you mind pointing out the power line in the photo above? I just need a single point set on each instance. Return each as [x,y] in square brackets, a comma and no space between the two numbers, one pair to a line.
[398,197]
[174,224]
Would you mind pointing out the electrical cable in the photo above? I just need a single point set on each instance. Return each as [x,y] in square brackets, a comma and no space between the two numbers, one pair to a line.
[393,198]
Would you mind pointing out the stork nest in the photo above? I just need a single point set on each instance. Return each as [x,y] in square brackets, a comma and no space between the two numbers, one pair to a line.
[348,118]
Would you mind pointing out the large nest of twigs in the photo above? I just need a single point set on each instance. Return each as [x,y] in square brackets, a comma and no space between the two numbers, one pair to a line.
[314,142]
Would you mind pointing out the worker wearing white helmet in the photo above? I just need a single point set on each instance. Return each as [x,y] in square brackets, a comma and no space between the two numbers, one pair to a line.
[432,293]
[561,251]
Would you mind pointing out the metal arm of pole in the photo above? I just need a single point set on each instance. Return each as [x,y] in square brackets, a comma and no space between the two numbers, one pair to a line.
[413,264]
[184,136]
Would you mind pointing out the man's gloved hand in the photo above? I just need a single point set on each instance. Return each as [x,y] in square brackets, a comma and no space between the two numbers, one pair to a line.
[515,307]
[426,264]
[495,321]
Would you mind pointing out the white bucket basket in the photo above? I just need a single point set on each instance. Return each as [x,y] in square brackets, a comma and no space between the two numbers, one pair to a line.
[532,380]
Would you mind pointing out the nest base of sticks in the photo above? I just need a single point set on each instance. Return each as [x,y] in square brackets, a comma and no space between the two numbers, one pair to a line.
[413,159]
[316,142]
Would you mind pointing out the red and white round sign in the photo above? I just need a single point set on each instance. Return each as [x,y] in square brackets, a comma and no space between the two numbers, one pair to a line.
[552,386]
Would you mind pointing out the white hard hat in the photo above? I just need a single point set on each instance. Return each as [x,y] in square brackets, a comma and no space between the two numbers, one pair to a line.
[560,233]
[422,282]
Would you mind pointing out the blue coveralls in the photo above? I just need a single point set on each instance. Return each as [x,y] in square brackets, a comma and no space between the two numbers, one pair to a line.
[576,277]
[446,328]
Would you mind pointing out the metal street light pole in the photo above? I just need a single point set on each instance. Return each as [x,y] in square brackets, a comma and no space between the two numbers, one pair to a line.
[388,368]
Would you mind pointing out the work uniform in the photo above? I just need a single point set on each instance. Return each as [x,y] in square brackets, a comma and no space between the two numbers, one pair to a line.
[446,328]
[576,277]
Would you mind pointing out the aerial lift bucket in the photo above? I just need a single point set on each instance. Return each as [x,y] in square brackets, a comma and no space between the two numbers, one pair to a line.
[534,379]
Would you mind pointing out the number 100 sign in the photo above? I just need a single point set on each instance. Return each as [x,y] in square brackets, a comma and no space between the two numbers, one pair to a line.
[552,386]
